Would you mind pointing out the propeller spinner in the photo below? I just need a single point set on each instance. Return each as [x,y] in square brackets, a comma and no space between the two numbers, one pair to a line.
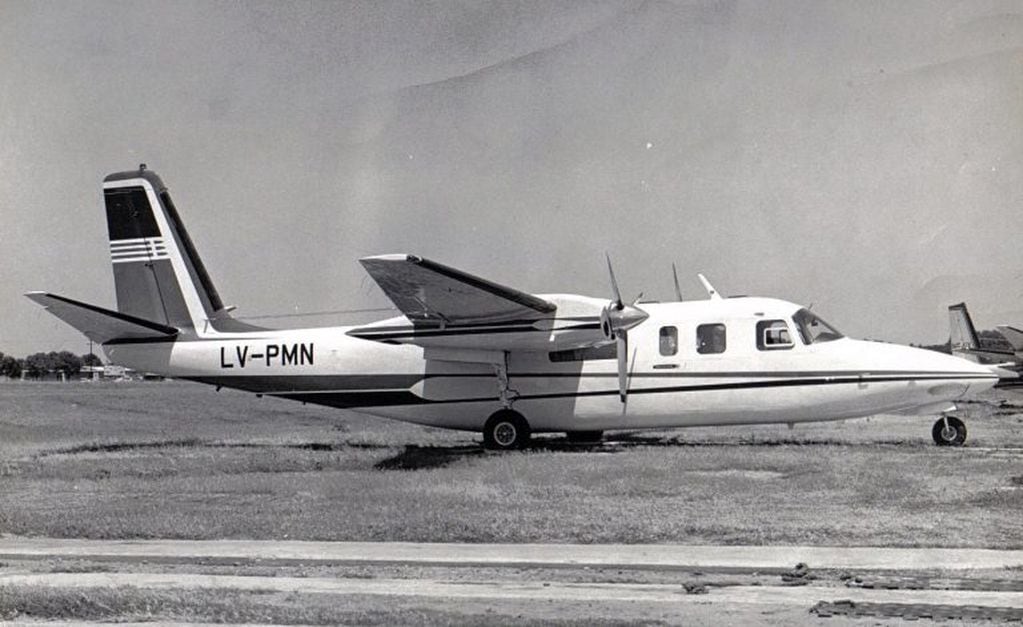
[615,321]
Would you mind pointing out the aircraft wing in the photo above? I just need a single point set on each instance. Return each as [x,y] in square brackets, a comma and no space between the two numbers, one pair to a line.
[101,325]
[1013,335]
[426,291]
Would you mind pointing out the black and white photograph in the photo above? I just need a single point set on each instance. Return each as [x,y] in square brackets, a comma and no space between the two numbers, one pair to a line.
[511,312]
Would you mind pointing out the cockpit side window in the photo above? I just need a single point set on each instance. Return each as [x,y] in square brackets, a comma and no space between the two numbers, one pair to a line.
[710,339]
[668,341]
[813,329]
[773,335]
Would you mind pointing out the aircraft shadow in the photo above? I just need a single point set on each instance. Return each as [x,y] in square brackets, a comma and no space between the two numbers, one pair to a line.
[418,457]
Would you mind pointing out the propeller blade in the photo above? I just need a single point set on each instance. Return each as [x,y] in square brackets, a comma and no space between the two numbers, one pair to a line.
[678,290]
[623,365]
[614,283]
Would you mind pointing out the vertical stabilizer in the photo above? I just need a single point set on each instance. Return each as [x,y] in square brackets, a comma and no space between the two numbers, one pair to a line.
[962,334]
[158,275]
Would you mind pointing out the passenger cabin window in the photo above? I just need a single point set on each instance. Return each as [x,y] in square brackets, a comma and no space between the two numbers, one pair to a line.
[813,329]
[773,335]
[669,341]
[710,339]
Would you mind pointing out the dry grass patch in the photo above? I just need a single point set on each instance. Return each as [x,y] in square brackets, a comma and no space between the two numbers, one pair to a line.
[237,470]
[129,604]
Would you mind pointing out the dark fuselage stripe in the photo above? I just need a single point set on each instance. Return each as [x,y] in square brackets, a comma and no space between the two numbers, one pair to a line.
[353,398]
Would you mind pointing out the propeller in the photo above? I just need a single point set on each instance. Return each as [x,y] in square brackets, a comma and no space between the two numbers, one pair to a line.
[615,321]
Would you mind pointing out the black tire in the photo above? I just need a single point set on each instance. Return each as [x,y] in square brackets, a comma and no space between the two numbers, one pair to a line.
[953,435]
[585,437]
[506,430]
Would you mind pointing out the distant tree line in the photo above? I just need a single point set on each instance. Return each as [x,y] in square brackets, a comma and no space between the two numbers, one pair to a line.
[987,339]
[38,365]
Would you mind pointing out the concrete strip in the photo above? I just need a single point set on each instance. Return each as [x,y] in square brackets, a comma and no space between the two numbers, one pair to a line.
[665,556]
[613,592]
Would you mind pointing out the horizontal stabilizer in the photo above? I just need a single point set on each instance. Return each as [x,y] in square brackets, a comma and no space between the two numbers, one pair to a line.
[101,325]
[1013,335]
[427,291]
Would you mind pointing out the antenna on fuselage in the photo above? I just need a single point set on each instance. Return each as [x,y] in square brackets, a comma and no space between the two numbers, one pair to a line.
[678,290]
[713,293]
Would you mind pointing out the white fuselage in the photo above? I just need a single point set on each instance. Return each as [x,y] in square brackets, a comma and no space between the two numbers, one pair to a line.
[744,383]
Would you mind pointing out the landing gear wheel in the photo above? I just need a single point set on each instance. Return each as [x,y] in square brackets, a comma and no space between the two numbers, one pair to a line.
[585,437]
[954,434]
[506,430]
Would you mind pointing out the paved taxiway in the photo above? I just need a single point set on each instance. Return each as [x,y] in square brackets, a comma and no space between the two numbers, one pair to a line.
[743,590]
[535,555]
[558,591]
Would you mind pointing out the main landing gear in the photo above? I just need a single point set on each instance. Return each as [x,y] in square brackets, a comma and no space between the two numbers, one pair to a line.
[506,430]
[949,431]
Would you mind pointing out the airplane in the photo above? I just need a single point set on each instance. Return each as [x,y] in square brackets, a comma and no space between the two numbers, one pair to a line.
[965,342]
[471,354]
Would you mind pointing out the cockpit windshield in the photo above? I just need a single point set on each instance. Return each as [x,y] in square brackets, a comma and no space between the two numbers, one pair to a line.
[813,329]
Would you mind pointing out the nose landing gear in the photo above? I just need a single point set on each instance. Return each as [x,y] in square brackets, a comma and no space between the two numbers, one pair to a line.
[949,431]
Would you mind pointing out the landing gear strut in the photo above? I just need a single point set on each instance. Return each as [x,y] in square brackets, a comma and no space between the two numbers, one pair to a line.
[506,429]
[949,431]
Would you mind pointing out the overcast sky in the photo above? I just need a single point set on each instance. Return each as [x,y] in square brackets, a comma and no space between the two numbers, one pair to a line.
[866,157]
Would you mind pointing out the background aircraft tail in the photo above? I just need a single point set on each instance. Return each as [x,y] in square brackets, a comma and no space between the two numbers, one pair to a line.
[158,275]
[965,342]
[962,334]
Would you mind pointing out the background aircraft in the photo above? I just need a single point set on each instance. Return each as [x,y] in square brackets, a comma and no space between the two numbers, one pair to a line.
[471,354]
[965,342]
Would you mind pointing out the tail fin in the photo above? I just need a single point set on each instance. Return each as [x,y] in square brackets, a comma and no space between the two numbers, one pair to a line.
[158,275]
[962,334]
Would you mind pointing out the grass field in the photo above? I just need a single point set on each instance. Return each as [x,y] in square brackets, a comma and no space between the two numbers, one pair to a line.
[176,460]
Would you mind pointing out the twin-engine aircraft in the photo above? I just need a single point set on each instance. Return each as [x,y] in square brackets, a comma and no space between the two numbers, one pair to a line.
[470,354]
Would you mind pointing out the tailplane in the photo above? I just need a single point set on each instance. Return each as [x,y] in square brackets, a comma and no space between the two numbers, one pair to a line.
[102,325]
[1013,336]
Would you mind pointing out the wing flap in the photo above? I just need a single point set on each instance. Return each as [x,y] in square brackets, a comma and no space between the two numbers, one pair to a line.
[99,324]
[427,291]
